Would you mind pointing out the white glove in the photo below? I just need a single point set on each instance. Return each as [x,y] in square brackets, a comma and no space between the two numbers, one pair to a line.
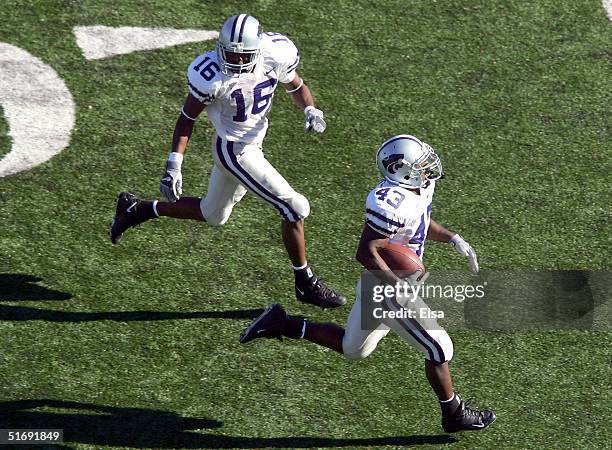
[171,184]
[314,120]
[465,249]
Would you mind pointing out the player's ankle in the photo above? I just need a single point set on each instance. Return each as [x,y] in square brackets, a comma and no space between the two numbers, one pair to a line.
[154,208]
[303,274]
[148,210]
[294,328]
[450,406]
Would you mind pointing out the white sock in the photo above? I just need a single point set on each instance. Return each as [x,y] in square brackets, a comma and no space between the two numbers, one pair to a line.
[301,267]
[449,400]
[303,330]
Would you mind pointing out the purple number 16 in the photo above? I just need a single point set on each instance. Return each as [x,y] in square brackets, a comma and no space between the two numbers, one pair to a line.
[260,101]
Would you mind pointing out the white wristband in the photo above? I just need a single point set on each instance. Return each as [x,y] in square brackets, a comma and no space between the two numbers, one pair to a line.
[175,157]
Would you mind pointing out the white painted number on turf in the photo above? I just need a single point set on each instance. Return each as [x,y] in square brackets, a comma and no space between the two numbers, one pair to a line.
[607,4]
[38,108]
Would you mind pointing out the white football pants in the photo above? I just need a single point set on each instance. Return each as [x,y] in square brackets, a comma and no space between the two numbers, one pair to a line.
[239,167]
[423,333]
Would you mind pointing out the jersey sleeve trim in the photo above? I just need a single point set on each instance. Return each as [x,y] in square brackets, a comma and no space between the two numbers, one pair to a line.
[201,96]
[387,220]
[383,224]
[294,64]
[379,229]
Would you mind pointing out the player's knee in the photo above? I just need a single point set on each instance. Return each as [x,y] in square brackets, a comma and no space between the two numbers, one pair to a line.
[449,348]
[444,349]
[300,206]
[217,217]
[217,220]
[356,353]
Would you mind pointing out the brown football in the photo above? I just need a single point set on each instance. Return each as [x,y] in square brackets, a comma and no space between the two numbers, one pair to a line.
[402,260]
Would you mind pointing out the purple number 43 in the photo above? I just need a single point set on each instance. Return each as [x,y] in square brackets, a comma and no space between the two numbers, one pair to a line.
[395,200]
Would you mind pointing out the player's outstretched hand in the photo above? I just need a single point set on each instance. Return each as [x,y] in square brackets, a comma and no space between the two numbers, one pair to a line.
[465,249]
[171,184]
[314,120]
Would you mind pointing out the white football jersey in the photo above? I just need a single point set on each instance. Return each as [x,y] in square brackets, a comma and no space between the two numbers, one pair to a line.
[238,106]
[401,214]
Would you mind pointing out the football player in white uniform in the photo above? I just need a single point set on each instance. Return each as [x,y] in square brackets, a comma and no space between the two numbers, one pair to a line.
[235,85]
[397,210]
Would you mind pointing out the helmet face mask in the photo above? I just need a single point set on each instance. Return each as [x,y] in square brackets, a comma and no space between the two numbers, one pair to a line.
[430,166]
[239,44]
[408,162]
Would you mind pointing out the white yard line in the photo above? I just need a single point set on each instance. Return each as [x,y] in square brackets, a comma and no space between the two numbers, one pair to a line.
[97,42]
[607,4]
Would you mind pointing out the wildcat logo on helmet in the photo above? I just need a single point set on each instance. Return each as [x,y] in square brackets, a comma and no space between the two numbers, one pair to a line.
[393,163]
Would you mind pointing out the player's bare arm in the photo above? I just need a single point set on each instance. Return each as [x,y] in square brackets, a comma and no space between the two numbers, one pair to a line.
[303,98]
[184,124]
[171,183]
[367,255]
[438,233]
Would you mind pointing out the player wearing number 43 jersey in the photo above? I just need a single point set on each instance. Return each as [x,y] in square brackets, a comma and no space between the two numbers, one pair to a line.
[235,85]
[398,211]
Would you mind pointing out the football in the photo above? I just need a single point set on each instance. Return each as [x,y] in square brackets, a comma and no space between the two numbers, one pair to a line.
[402,260]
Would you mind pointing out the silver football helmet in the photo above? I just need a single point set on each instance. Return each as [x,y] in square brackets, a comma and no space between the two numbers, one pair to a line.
[239,44]
[409,162]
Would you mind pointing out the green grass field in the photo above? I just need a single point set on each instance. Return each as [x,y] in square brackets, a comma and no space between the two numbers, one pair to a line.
[137,345]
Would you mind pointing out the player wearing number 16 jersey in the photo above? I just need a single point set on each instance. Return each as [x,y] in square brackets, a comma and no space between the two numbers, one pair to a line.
[235,85]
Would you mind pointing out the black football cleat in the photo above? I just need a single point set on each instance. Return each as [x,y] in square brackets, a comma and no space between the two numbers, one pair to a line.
[128,214]
[318,294]
[269,324]
[467,419]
